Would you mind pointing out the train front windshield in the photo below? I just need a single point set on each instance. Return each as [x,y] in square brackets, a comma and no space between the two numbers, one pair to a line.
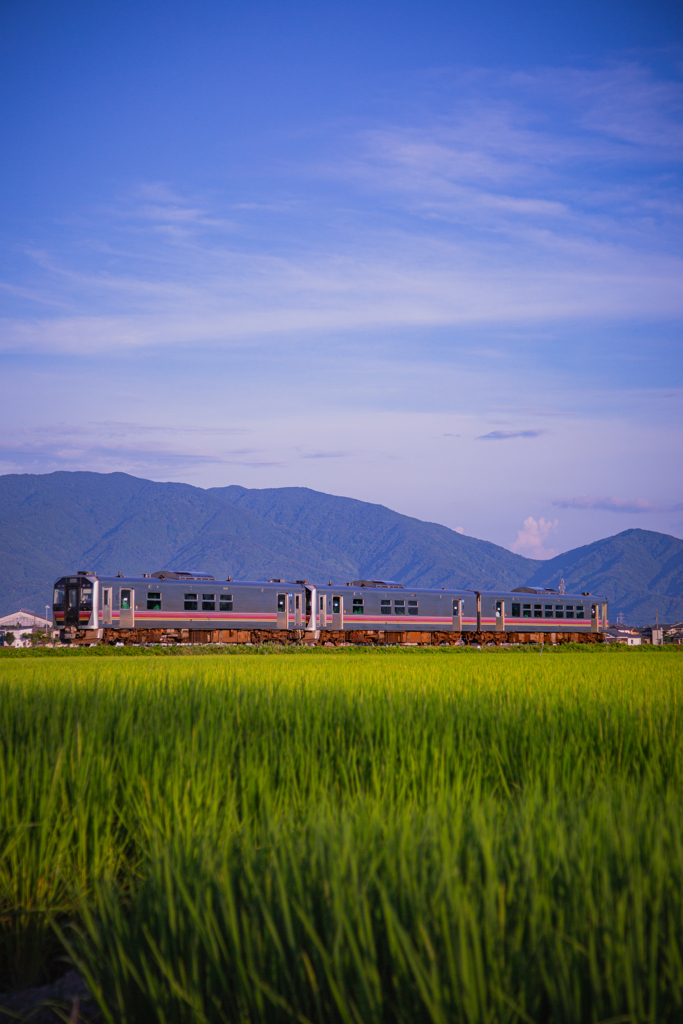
[72,601]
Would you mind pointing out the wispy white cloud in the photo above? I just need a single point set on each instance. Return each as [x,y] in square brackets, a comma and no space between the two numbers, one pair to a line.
[628,103]
[531,538]
[410,282]
[123,428]
[125,447]
[533,410]
[506,435]
[527,126]
[327,455]
[537,198]
[612,504]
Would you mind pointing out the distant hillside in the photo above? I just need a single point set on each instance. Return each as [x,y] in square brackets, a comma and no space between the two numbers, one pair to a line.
[641,572]
[372,541]
[58,522]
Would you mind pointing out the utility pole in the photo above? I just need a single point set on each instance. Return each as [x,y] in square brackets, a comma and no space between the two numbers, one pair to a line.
[657,633]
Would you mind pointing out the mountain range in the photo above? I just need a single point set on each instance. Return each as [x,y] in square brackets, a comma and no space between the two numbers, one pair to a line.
[56,523]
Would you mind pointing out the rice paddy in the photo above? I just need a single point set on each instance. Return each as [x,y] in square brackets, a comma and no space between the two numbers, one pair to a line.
[347,837]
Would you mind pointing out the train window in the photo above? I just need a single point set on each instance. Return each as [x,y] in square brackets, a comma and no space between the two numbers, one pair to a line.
[60,598]
[208,602]
[526,611]
[358,606]
[73,599]
[549,611]
[385,606]
[515,611]
[226,602]
[125,600]
[281,603]
[569,611]
[322,604]
[190,602]
[412,608]
[499,609]
[153,601]
[559,611]
[579,611]
[594,611]
[399,607]
[86,598]
[336,605]
[456,606]
[538,611]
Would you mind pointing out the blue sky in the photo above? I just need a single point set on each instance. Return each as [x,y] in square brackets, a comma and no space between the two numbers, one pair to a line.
[422,254]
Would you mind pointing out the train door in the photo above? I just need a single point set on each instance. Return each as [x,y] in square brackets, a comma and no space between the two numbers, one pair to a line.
[282,611]
[478,613]
[322,611]
[598,617]
[127,610]
[337,611]
[311,610]
[106,606]
[457,614]
[297,611]
[71,617]
[500,616]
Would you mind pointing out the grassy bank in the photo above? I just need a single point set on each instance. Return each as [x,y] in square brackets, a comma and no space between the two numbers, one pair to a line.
[351,835]
[230,650]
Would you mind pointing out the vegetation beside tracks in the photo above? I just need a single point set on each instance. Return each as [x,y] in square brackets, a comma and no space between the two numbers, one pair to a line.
[221,650]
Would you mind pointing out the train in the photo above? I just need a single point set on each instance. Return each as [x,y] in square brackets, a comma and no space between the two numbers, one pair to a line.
[187,607]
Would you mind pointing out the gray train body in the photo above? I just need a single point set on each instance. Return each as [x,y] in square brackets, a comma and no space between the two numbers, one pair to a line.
[188,607]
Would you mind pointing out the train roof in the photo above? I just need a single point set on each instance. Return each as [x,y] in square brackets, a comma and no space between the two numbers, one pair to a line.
[405,588]
[520,593]
[182,574]
[146,577]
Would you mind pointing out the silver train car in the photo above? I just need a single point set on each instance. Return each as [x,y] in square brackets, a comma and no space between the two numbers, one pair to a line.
[171,607]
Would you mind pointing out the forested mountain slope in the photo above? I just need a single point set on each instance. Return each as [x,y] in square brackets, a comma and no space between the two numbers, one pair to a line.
[375,542]
[641,572]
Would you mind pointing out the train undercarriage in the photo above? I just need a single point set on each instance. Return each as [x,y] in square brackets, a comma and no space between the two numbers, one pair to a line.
[321,638]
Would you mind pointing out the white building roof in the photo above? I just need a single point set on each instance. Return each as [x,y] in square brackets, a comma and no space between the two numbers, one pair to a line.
[24,619]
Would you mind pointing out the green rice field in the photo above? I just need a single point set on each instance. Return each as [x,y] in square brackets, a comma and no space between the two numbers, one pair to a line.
[347,837]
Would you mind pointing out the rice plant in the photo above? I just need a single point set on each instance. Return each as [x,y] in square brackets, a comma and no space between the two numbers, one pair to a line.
[348,836]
